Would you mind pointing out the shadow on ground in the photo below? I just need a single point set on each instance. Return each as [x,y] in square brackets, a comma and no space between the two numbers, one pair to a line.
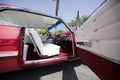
[65,70]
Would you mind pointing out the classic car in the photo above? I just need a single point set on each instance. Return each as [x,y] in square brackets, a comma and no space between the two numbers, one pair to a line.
[32,39]
[23,42]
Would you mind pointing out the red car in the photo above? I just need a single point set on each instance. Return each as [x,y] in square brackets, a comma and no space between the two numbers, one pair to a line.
[96,42]
[22,47]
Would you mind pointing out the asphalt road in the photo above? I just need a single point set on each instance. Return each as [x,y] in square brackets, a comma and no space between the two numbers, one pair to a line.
[74,70]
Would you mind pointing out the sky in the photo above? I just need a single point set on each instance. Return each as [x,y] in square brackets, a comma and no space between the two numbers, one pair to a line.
[67,8]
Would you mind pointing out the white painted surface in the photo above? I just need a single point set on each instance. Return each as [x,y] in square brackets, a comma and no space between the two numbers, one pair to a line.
[103,30]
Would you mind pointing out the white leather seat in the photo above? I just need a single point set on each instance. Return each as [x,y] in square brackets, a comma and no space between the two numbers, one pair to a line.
[43,37]
[27,37]
[46,49]
[25,52]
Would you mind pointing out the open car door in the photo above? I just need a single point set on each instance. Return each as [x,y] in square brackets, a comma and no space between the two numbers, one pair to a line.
[98,41]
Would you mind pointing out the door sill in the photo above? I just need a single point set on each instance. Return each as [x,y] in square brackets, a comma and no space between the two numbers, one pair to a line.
[64,58]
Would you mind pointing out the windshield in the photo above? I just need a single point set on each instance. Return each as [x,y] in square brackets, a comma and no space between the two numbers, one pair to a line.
[59,28]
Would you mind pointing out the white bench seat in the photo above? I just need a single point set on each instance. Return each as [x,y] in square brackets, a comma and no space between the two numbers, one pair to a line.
[43,50]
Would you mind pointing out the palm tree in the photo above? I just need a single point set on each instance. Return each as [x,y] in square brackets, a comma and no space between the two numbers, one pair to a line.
[57,7]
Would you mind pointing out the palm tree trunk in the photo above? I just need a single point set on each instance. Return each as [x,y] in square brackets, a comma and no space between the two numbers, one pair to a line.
[57,7]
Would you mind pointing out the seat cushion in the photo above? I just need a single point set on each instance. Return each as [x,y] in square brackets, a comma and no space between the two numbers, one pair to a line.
[51,49]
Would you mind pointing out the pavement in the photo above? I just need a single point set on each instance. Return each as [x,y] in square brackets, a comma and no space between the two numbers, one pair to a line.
[74,70]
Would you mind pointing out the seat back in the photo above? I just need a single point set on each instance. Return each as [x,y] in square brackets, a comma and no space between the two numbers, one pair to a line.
[27,37]
[43,37]
[36,40]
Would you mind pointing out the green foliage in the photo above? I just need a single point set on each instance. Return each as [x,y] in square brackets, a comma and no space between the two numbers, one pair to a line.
[38,31]
[59,32]
[41,31]
[72,23]
[82,20]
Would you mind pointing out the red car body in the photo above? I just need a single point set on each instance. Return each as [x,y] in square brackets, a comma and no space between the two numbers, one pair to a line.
[11,50]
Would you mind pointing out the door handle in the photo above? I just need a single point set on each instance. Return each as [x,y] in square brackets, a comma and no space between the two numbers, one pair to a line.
[87,43]
[80,43]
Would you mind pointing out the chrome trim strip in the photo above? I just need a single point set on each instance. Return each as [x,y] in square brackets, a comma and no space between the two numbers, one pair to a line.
[8,54]
[43,60]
